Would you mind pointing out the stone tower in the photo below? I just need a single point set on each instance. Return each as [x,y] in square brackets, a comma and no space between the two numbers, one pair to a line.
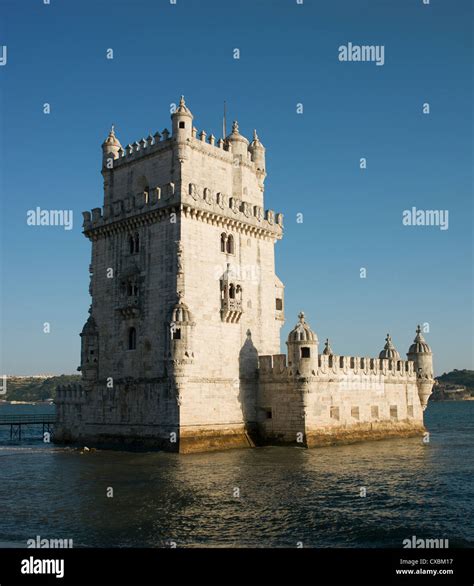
[184,291]
[181,347]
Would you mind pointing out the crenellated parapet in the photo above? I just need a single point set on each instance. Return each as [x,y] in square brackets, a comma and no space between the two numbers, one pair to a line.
[195,201]
[157,199]
[138,150]
[230,210]
[275,367]
[70,394]
[115,155]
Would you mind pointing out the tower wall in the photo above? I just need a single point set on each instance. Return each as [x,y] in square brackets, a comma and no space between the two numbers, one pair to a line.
[344,399]
[153,271]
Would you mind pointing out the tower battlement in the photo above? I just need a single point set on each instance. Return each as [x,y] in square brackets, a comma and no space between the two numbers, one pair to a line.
[199,202]
[276,367]
[72,393]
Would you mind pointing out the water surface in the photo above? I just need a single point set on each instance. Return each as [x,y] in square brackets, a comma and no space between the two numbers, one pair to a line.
[287,495]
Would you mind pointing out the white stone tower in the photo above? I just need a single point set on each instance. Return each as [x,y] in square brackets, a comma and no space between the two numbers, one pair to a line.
[184,291]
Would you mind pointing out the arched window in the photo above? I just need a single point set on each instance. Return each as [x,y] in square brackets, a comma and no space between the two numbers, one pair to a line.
[230,244]
[137,243]
[223,242]
[231,291]
[238,291]
[132,339]
[131,244]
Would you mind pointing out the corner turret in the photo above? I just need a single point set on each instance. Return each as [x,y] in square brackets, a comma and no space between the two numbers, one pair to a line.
[110,147]
[302,348]
[257,151]
[181,324]
[89,350]
[422,356]
[182,121]
[389,351]
[239,144]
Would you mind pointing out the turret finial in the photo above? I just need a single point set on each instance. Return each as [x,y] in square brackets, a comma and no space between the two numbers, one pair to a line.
[111,143]
[181,101]
[327,349]
[418,329]
[235,127]
[301,317]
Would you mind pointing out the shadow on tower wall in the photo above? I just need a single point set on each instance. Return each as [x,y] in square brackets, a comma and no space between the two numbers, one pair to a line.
[248,387]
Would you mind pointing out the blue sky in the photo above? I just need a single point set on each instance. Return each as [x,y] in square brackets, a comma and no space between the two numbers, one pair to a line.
[289,55]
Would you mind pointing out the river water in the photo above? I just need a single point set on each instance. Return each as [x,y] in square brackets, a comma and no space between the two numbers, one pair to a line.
[265,497]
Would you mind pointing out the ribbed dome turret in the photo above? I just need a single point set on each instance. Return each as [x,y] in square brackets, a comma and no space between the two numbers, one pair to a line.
[111,140]
[111,148]
[389,350]
[256,144]
[181,313]
[235,135]
[302,332]
[419,345]
[182,109]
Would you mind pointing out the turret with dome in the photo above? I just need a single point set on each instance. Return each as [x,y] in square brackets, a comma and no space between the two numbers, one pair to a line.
[422,356]
[302,347]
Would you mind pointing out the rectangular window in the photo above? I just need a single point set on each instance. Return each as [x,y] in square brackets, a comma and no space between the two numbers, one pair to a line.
[305,352]
[177,334]
[393,412]
[410,410]
[334,412]
[374,412]
[355,412]
[279,304]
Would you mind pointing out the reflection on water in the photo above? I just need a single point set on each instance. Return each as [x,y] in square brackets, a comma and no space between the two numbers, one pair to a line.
[287,495]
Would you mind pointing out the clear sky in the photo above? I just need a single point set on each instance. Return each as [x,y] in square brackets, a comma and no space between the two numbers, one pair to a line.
[352,218]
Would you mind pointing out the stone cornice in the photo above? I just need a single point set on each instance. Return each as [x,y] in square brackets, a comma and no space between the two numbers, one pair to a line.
[126,224]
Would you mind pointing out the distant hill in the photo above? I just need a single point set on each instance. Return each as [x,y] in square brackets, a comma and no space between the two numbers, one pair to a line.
[457,385]
[36,388]
[458,377]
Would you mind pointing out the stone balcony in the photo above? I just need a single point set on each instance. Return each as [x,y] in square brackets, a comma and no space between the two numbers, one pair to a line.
[231,310]
[130,307]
